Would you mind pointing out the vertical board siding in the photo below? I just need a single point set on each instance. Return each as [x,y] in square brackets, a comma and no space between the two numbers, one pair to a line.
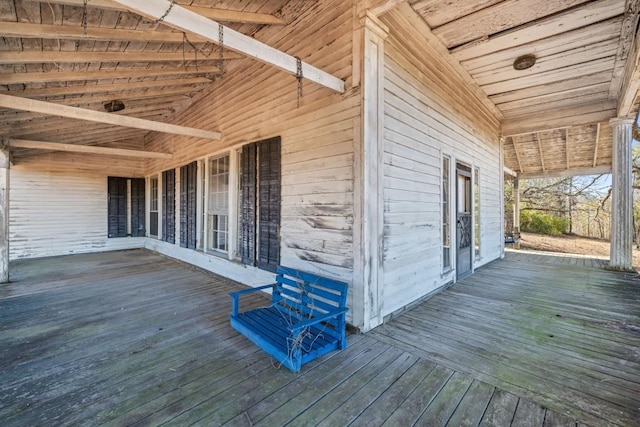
[58,211]
[421,122]
[317,138]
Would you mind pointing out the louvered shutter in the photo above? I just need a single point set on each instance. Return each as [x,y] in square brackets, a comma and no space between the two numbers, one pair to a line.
[269,204]
[169,205]
[188,203]
[117,207]
[137,207]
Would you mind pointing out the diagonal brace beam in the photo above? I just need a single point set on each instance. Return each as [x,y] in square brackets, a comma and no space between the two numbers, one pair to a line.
[178,17]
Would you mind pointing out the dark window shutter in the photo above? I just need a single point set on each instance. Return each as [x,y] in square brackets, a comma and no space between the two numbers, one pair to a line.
[269,206]
[168,205]
[117,207]
[188,203]
[248,204]
[137,207]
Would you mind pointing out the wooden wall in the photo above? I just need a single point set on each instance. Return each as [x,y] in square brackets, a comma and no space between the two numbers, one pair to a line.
[429,112]
[254,102]
[58,204]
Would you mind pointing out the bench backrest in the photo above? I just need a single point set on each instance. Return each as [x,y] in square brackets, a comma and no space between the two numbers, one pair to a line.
[309,295]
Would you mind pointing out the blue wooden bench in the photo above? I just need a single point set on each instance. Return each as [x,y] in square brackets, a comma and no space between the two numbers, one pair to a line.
[305,319]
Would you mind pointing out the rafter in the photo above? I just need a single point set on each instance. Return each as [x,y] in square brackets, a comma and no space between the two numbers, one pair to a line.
[103,88]
[65,76]
[32,57]
[211,13]
[566,146]
[515,150]
[26,104]
[76,32]
[595,150]
[540,151]
[75,148]
[186,20]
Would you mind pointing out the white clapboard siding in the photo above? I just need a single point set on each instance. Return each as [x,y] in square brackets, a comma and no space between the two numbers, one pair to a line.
[260,102]
[421,123]
[56,209]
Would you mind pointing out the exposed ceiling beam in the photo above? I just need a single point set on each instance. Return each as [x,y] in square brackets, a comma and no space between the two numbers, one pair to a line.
[625,45]
[211,13]
[515,150]
[565,173]
[33,57]
[510,171]
[65,76]
[186,20]
[42,31]
[25,104]
[8,117]
[75,148]
[130,96]
[102,88]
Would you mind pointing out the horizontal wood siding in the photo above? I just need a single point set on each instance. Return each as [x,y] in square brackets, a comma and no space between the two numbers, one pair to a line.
[259,102]
[429,111]
[57,208]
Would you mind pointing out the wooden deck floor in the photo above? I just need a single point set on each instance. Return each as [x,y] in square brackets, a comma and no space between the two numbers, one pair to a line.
[557,329]
[134,338]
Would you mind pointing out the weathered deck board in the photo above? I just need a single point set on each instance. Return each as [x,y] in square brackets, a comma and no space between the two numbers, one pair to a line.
[134,338]
[566,336]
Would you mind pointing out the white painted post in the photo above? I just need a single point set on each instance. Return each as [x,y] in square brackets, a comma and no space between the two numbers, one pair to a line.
[4,213]
[621,196]
[373,203]
[516,212]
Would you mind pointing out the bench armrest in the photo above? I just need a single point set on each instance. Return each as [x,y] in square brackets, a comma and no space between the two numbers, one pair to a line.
[306,323]
[236,296]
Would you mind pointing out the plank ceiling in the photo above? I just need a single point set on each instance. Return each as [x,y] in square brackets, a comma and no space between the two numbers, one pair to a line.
[551,110]
[555,114]
[46,54]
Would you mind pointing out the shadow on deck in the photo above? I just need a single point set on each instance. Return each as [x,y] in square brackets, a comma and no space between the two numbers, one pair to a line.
[136,338]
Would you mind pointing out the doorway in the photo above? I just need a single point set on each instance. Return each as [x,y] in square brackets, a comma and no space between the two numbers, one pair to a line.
[464,223]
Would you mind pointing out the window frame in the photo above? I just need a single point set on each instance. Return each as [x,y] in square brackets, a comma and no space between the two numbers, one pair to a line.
[208,247]
[445,206]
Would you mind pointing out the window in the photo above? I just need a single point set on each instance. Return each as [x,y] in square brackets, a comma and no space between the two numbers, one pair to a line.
[121,193]
[218,205]
[153,206]
[259,201]
[476,210]
[446,218]
[169,206]
[188,205]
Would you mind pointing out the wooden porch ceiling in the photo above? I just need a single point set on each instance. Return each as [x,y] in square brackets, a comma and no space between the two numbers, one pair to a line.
[551,111]
[61,52]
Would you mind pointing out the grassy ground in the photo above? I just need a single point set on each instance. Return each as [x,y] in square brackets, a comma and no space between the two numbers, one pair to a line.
[571,245]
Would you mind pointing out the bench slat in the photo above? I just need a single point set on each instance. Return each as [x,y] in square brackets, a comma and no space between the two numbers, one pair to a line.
[298,298]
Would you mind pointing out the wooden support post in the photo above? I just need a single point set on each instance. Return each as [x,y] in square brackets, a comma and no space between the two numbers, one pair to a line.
[4,213]
[373,203]
[516,205]
[621,196]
